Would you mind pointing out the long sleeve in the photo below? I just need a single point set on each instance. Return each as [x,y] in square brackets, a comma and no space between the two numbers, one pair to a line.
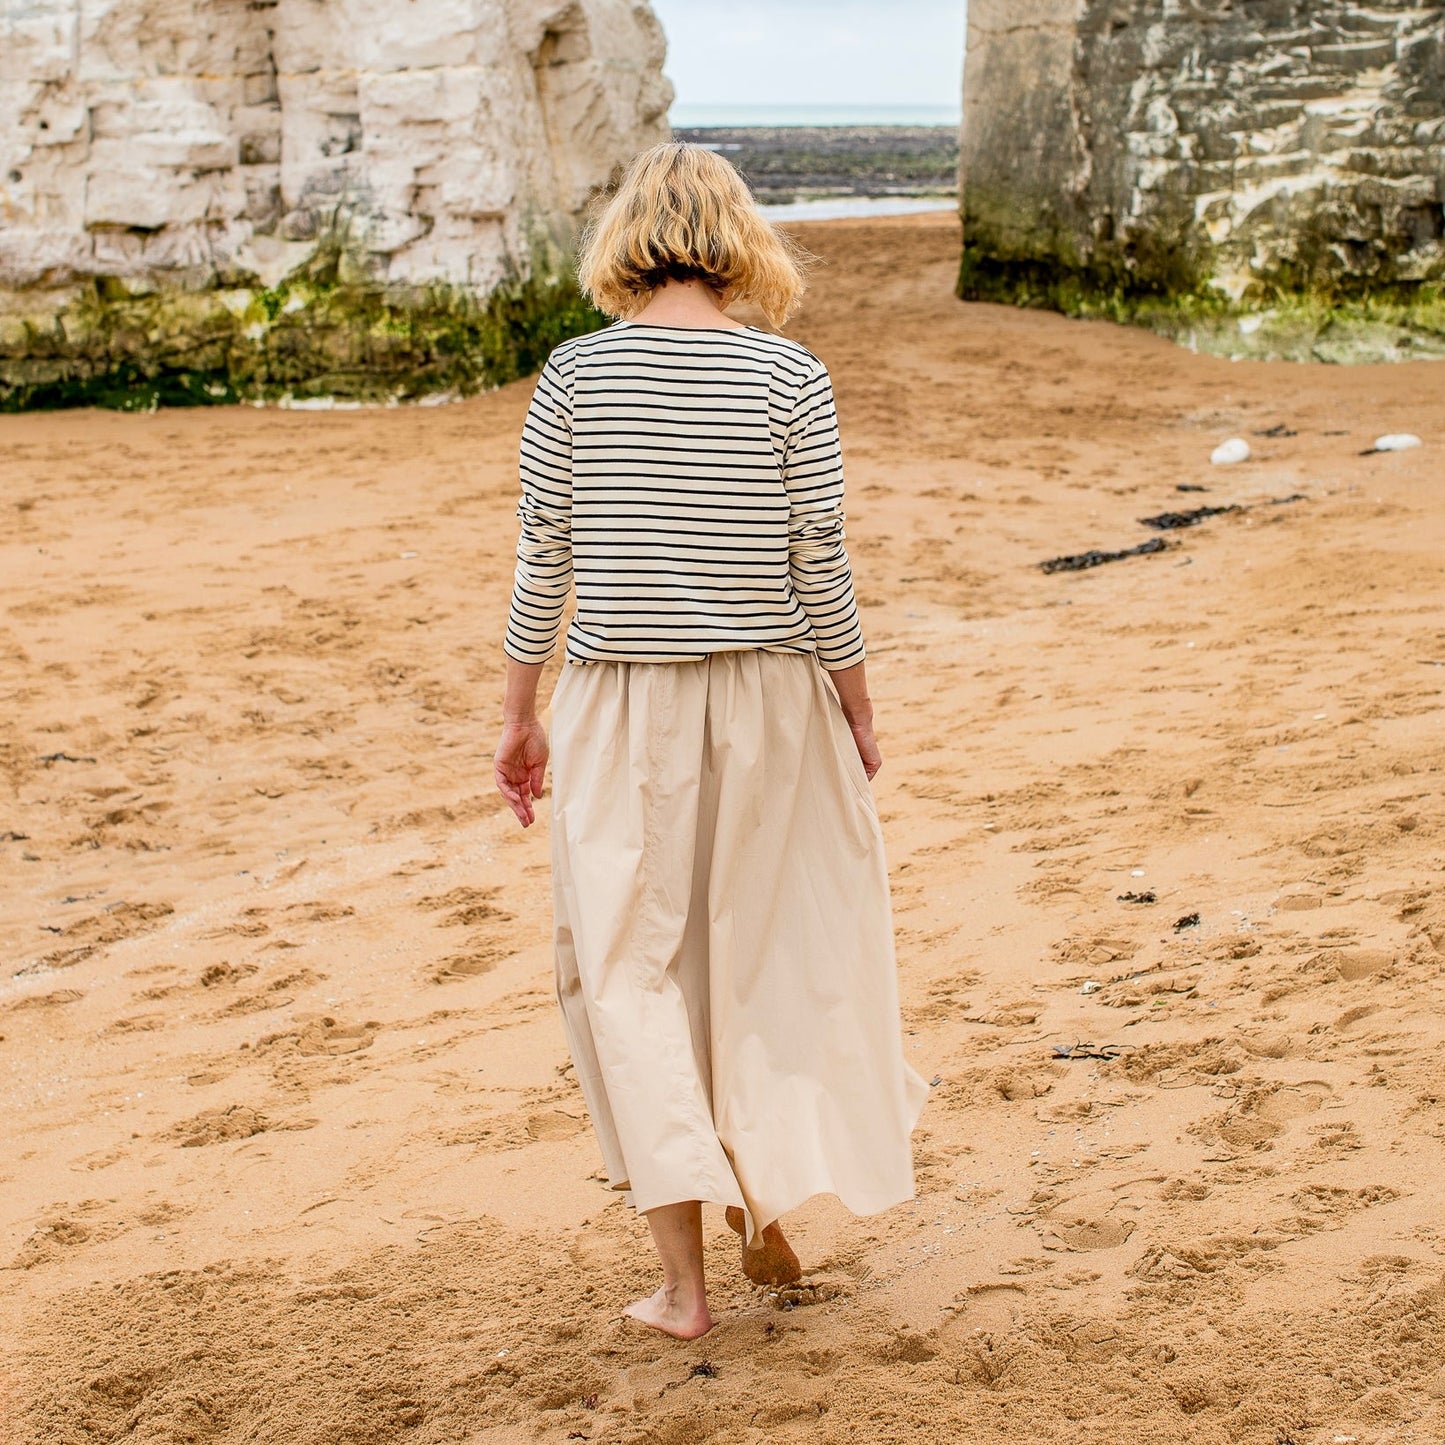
[817,560]
[544,548]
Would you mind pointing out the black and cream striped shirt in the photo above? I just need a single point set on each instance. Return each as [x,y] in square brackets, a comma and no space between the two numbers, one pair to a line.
[689,482]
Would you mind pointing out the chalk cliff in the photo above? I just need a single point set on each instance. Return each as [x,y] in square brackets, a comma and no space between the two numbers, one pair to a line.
[1245,154]
[166,148]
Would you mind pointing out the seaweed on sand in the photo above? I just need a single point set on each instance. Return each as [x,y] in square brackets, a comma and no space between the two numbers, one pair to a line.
[1082,561]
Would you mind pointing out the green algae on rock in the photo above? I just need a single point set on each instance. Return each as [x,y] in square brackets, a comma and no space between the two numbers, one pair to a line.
[1395,323]
[316,334]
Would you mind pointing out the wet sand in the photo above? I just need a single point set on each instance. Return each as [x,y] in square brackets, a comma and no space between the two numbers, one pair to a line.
[293,1150]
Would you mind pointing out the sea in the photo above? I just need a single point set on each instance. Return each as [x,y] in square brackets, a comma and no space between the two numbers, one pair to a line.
[702,117]
[839,208]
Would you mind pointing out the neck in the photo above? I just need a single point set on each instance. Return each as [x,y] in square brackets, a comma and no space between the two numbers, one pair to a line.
[685,303]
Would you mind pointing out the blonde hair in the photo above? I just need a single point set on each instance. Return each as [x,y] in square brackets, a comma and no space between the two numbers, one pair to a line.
[681,212]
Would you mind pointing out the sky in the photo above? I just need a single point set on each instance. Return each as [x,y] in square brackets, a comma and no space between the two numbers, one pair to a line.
[814,52]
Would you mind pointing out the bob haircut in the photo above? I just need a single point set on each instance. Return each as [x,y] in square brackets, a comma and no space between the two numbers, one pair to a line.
[681,212]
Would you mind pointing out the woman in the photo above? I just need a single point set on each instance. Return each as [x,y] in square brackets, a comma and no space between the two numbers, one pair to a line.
[724,947]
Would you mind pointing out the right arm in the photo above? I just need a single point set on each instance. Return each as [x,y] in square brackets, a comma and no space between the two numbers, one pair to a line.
[851,685]
[521,758]
[543,576]
[540,586]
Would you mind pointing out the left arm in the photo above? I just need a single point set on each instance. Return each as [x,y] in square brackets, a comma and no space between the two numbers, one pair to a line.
[817,560]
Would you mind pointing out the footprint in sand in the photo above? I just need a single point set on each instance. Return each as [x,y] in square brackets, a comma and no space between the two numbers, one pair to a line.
[947,998]
[65,1229]
[1260,1115]
[1338,1140]
[1082,1232]
[554,1124]
[54,999]
[218,974]
[136,1024]
[1178,1065]
[249,925]
[100,1158]
[983,1355]
[471,964]
[219,1125]
[987,1309]
[315,912]
[326,1036]
[1352,1016]
[467,907]
[1012,1015]
[58,958]
[1325,1206]
[322,1035]
[1266,1045]
[978,1087]
[1352,964]
[118,922]
[812,1289]
[277,993]
[1281,1103]
[1095,951]
[215,976]
[87,935]
[1095,1341]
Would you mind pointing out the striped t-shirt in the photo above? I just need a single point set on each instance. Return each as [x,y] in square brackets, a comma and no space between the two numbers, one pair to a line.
[689,482]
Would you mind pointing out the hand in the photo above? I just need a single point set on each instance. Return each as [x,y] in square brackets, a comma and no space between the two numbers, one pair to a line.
[851,685]
[867,747]
[520,765]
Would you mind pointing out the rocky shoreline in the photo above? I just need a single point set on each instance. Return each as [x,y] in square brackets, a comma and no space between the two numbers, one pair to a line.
[790,163]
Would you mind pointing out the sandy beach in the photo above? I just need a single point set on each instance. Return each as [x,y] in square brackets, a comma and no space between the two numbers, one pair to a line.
[293,1152]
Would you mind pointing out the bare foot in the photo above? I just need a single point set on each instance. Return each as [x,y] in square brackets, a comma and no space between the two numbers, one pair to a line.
[668,1311]
[771,1262]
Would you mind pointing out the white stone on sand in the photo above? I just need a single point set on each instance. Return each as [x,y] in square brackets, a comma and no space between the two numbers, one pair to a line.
[1227,454]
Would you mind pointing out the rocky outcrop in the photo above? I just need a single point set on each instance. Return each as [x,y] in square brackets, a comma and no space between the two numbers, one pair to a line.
[1227,155]
[267,151]
[784,164]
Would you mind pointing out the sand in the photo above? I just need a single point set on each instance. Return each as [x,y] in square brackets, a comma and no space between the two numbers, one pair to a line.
[293,1152]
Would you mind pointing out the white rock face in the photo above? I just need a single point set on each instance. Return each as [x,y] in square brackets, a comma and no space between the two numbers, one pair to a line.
[193,142]
[1246,152]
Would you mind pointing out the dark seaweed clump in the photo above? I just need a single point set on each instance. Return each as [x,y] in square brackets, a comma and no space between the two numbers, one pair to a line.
[1082,561]
[1172,521]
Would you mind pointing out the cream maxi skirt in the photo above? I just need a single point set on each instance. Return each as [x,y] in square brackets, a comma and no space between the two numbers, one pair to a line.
[724,940]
